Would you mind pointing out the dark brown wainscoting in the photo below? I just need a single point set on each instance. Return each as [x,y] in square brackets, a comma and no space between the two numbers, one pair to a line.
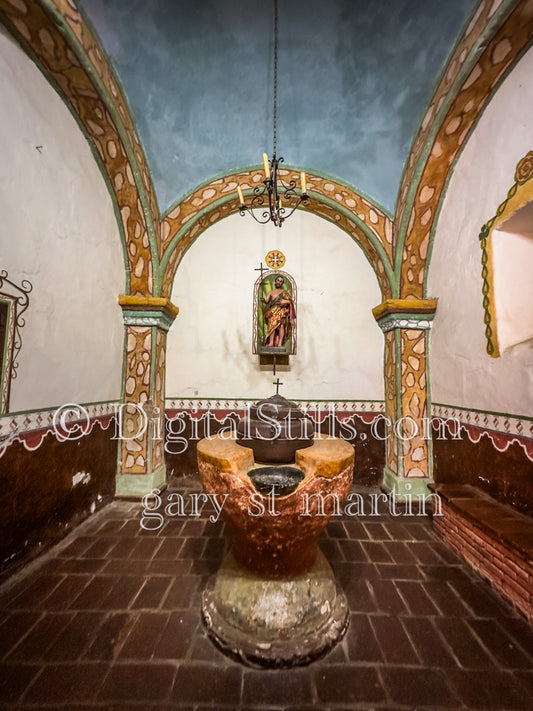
[39,501]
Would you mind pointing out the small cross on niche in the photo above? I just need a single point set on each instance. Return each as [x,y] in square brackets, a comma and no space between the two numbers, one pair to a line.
[261,269]
[277,383]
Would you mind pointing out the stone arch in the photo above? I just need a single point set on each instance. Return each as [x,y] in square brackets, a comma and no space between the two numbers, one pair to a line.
[492,44]
[56,37]
[368,225]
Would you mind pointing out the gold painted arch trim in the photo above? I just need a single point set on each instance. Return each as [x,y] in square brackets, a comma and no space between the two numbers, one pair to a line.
[365,222]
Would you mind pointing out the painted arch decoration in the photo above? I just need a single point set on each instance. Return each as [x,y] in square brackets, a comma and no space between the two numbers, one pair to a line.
[495,40]
[54,34]
[365,222]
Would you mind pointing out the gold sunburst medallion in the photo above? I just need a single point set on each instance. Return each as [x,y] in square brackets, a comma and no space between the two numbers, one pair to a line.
[275,259]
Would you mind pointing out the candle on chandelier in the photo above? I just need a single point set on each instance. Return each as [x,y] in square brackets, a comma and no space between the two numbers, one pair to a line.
[266,165]
[303,182]
[239,192]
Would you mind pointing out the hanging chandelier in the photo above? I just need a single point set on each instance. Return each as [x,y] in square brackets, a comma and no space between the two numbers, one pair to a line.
[281,198]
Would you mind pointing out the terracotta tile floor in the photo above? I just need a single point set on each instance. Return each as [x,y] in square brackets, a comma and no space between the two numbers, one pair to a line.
[110,619]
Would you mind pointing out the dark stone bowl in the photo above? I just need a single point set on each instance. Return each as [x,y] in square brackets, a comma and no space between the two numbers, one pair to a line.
[283,480]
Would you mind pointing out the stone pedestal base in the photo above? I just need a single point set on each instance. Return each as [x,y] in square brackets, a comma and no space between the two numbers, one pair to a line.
[274,623]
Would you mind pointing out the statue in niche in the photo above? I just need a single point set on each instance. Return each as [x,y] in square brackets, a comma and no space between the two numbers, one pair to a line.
[275,314]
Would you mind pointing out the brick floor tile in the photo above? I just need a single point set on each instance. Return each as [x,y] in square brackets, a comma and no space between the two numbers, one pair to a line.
[205,683]
[331,549]
[75,546]
[497,690]
[63,683]
[169,549]
[121,593]
[394,571]
[181,592]
[144,636]
[124,566]
[109,528]
[355,530]
[122,548]
[15,679]
[192,548]
[129,529]
[501,645]
[177,637]
[168,567]
[397,531]
[152,592]
[445,573]
[68,589]
[401,552]
[393,641]
[111,634]
[204,650]
[138,682]
[93,593]
[100,547]
[463,644]
[445,599]
[354,571]
[419,531]
[386,595]
[424,553]
[75,637]
[376,531]
[336,655]
[146,548]
[14,626]
[348,683]
[416,598]
[35,592]
[419,687]
[81,566]
[376,552]
[521,631]
[41,636]
[270,687]
[361,641]
[193,528]
[359,595]
[428,643]
[479,598]
[335,529]
[353,551]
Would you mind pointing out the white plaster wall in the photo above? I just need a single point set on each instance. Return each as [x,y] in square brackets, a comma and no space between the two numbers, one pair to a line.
[340,346]
[462,373]
[58,230]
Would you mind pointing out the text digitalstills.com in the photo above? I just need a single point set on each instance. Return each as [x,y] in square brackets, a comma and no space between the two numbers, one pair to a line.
[134,421]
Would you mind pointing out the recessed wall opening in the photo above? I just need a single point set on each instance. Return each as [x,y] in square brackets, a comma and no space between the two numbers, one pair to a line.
[512,261]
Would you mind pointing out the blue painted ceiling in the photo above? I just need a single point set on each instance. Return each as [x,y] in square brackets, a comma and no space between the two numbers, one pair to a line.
[354,79]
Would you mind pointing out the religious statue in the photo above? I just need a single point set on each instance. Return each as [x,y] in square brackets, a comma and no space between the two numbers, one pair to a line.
[275,314]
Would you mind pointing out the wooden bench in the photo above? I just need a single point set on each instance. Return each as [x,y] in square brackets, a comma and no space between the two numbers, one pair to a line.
[494,538]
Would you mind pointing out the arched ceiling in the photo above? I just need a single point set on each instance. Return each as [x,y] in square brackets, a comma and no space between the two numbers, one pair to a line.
[354,78]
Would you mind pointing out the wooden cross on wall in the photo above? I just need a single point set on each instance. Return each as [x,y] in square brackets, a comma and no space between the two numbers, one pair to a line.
[277,383]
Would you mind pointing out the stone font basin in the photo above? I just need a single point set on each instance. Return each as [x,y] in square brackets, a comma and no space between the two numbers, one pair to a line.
[282,480]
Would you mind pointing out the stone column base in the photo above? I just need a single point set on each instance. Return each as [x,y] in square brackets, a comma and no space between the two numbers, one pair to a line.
[135,486]
[406,488]
[274,623]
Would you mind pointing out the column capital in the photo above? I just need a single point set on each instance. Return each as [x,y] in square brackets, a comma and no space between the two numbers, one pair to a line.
[147,311]
[405,313]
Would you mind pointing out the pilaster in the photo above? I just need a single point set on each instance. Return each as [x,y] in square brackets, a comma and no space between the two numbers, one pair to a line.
[140,421]
[406,324]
